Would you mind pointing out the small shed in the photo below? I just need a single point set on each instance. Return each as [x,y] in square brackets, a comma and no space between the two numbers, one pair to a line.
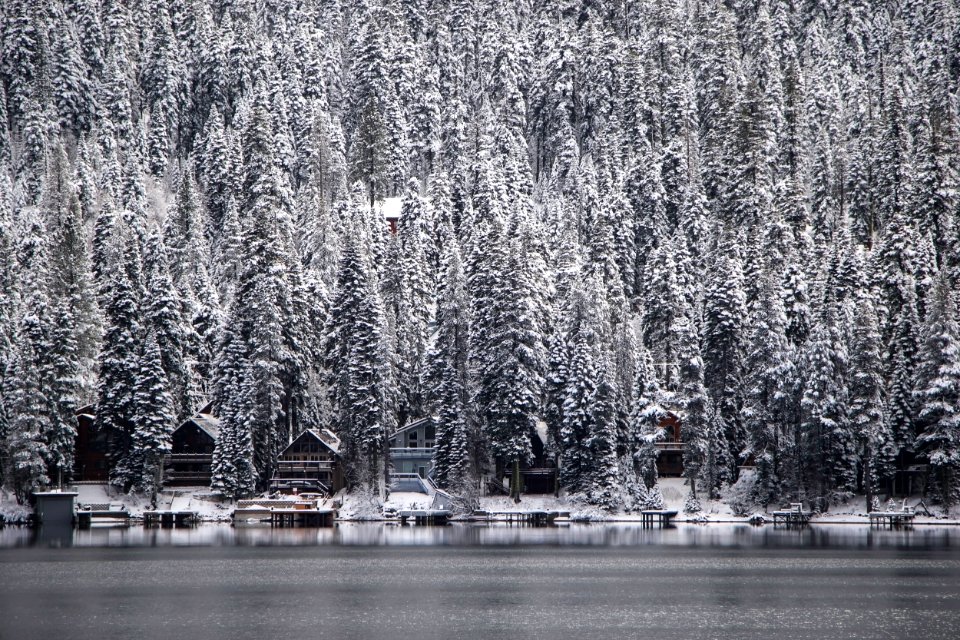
[55,508]
[310,463]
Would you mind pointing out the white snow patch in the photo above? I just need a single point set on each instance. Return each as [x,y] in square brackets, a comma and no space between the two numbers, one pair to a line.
[389,208]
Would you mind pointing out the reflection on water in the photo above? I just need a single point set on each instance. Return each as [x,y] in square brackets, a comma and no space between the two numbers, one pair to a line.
[603,535]
[385,582]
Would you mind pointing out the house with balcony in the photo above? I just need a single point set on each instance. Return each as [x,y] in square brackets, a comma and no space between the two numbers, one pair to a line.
[190,461]
[670,449]
[411,448]
[311,463]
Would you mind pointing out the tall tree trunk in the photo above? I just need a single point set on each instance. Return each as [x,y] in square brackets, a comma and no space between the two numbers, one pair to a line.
[515,481]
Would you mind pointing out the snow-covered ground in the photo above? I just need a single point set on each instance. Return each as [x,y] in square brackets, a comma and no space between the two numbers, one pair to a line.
[361,506]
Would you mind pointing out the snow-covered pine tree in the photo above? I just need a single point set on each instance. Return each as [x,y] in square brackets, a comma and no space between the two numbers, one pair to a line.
[725,341]
[446,376]
[409,300]
[233,471]
[827,464]
[29,421]
[692,400]
[357,360]
[601,445]
[868,419]
[163,320]
[508,352]
[72,285]
[118,364]
[53,347]
[9,301]
[154,419]
[582,382]
[902,353]
[646,420]
[768,411]
[938,392]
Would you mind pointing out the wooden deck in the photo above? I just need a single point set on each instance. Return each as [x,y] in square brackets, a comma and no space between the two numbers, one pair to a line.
[425,516]
[88,517]
[302,517]
[795,516]
[660,517]
[168,519]
[892,519]
[533,518]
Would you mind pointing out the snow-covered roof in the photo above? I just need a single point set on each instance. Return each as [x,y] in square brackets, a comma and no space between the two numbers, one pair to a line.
[389,208]
[207,422]
[87,411]
[327,438]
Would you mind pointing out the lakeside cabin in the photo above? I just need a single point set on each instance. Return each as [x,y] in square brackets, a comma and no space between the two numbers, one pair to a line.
[90,448]
[411,447]
[670,449]
[311,463]
[539,476]
[190,461]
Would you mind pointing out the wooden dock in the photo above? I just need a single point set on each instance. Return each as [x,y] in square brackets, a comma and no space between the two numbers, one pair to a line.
[302,517]
[661,517]
[892,519]
[795,516]
[532,518]
[88,517]
[438,517]
[169,519]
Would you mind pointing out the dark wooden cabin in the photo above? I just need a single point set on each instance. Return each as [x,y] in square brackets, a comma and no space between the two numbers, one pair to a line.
[310,463]
[670,449]
[90,450]
[191,459]
[539,476]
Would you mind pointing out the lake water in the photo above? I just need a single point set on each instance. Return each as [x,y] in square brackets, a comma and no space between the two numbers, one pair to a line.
[373,581]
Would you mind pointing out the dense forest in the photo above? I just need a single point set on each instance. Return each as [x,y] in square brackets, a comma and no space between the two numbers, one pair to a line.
[743,213]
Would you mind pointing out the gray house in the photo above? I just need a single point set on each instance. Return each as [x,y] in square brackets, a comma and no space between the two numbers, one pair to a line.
[411,447]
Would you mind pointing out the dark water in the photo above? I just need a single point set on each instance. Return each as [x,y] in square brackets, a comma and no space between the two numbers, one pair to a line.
[374,581]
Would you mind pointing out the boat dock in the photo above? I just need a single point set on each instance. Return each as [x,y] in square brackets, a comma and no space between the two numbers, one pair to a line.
[113,514]
[168,519]
[534,518]
[286,513]
[302,517]
[425,516]
[795,516]
[661,517]
[892,519]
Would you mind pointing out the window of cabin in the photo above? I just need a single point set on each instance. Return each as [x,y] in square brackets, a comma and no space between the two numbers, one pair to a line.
[412,439]
[430,435]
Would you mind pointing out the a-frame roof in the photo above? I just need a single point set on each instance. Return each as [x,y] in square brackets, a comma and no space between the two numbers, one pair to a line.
[323,436]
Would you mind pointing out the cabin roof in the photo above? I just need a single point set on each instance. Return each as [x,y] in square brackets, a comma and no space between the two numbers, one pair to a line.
[419,422]
[87,410]
[205,421]
[323,436]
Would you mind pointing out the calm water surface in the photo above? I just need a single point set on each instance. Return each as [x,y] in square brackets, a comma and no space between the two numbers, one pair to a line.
[372,581]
